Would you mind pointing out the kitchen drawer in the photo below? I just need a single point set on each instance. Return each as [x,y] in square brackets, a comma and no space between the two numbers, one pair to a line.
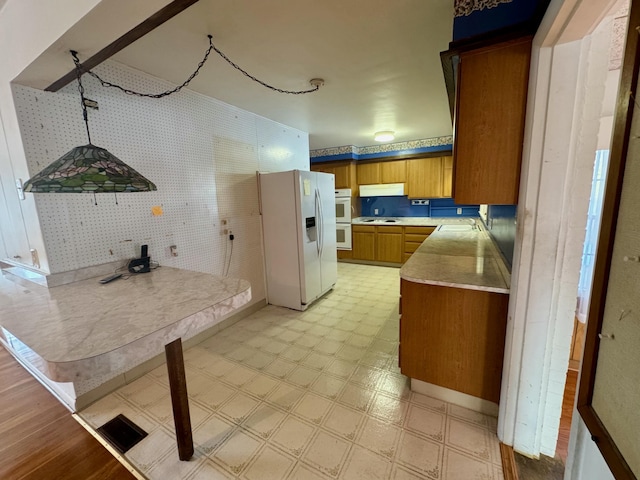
[415,237]
[410,247]
[390,229]
[363,228]
[420,230]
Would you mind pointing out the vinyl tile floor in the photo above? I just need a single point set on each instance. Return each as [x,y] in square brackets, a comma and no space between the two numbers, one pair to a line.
[313,395]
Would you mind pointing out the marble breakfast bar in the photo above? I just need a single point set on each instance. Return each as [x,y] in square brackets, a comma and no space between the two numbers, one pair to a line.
[454,301]
[78,337]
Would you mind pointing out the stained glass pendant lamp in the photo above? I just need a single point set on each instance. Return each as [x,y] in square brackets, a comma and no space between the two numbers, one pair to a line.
[87,168]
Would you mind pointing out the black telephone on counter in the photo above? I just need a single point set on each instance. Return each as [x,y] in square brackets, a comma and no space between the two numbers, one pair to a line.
[142,264]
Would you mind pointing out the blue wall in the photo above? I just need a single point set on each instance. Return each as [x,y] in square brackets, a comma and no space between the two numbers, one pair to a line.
[501,223]
[401,207]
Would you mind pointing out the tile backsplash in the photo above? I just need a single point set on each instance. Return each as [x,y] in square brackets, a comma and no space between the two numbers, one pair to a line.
[401,207]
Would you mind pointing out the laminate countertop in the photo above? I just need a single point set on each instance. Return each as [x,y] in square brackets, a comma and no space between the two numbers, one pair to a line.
[86,328]
[460,256]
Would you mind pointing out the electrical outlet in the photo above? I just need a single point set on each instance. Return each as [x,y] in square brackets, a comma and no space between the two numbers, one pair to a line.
[420,201]
[173,250]
[375,211]
[459,211]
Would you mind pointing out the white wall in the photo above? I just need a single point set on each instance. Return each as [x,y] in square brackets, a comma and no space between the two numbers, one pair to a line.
[201,153]
[585,462]
[28,28]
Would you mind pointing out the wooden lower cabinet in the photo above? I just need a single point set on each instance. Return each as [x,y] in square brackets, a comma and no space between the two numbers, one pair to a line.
[389,244]
[363,241]
[413,238]
[453,337]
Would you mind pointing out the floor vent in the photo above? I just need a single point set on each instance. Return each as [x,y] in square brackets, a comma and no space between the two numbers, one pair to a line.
[122,433]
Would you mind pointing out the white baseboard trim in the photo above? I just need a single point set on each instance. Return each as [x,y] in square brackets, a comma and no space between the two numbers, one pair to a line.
[457,398]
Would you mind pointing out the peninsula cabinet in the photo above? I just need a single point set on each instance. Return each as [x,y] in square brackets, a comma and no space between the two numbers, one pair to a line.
[491,96]
[453,337]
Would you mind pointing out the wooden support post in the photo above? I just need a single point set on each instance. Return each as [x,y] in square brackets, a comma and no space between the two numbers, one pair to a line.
[179,399]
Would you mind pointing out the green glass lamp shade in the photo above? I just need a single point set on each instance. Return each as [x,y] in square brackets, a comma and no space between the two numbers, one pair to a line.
[88,169]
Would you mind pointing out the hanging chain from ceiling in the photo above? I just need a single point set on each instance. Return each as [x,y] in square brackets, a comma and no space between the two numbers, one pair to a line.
[315,82]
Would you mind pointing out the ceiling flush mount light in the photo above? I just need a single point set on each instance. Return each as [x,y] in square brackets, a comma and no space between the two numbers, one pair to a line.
[385,136]
[87,168]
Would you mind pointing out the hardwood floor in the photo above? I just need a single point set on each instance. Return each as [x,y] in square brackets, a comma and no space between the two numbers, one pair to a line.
[567,411]
[38,437]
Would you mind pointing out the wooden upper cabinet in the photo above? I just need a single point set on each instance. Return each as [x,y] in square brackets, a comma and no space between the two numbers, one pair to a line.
[424,178]
[447,176]
[489,122]
[345,173]
[368,173]
[393,172]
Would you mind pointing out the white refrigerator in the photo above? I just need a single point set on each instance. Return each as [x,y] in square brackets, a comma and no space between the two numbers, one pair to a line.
[299,231]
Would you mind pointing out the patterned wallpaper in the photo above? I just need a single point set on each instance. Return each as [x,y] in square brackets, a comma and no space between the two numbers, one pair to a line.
[351,152]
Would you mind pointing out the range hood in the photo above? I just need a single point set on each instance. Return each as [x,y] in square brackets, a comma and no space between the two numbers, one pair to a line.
[382,190]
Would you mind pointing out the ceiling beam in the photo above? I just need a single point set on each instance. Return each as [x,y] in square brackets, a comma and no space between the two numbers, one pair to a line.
[139,31]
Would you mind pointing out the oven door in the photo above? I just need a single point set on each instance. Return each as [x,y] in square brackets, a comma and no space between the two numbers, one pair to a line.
[343,236]
[343,210]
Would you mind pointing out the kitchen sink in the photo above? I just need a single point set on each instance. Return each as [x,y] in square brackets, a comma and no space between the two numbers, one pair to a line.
[390,221]
[368,220]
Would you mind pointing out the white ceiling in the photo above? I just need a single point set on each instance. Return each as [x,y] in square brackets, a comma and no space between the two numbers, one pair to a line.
[380,61]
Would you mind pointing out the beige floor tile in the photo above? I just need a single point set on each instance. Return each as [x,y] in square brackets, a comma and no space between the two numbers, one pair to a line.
[210,471]
[138,386]
[421,455]
[494,449]
[468,438]
[429,402]
[390,409]
[274,347]
[426,422]
[319,330]
[238,407]
[290,336]
[151,450]
[237,452]
[293,436]
[347,325]
[498,473]
[467,415]
[260,386]
[344,421]
[338,335]
[367,376]
[312,407]
[285,396]
[308,341]
[294,353]
[327,453]
[341,368]
[214,397]
[458,466]
[317,361]
[361,341]
[258,341]
[239,376]
[305,472]
[379,437]
[375,359]
[273,331]
[328,386]
[259,360]
[263,421]
[356,396]
[212,433]
[328,347]
[240,353]
[279,368]
[303,376]
[362,464]
[351,353]
[396,385]
[269,464]
[172,467]
[366,329]
[401,473]
[219,367]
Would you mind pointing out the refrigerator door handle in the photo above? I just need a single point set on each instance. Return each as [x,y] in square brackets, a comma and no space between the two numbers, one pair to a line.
[321,222]
[317,212]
